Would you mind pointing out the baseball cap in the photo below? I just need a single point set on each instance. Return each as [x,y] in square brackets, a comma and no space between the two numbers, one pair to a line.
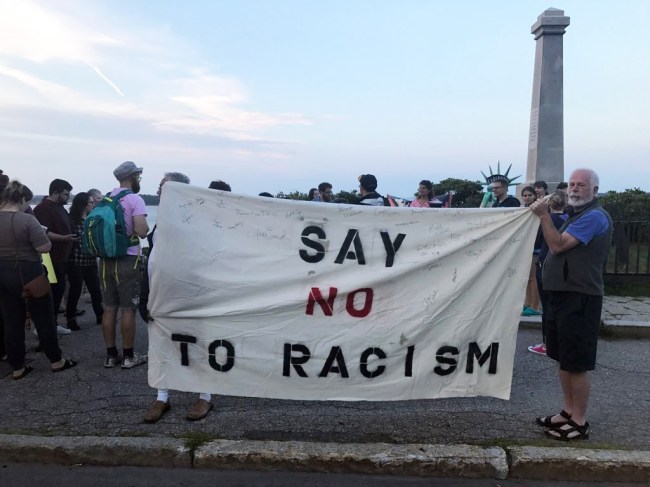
[125,169]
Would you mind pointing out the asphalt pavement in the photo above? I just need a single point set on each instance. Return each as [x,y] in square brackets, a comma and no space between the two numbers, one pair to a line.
[93,415]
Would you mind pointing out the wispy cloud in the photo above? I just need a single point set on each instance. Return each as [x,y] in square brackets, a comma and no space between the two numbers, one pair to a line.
[40,34]
[105,78]
[53,92]
[43,47]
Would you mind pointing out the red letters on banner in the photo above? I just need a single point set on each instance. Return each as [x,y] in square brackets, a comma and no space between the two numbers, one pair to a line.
[327,304]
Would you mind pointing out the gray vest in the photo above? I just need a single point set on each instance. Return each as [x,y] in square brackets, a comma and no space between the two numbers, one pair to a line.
[581,268]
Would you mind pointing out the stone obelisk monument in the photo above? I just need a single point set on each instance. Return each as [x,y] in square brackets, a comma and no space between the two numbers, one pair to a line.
[546,138]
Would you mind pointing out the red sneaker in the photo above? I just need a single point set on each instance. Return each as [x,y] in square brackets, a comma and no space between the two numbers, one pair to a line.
[538,349]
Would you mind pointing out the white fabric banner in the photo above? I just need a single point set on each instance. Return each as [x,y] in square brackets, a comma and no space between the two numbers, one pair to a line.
[287,299]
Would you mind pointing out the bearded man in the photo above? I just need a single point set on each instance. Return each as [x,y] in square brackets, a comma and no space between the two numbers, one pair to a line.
[121,276]
[51,213]
[573,277]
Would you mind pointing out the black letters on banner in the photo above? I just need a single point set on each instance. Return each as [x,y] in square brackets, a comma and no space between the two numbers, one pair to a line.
[297,362]
[340,368]
[408,363]
[184,339]
[313,244]
[363,365]
[446,356]
[443,359]
[351,237]
[474,351]
[230,355]
[391,247]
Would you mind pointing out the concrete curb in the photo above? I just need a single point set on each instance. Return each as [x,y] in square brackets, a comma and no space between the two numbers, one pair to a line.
[628,329]
[368,458]
[572,464]
[95,450]
[522,462]
[615,328]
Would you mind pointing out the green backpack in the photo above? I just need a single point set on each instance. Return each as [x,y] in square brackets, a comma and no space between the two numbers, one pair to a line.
[105,230]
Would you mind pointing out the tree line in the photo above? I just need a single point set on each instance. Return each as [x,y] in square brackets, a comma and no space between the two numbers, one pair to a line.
[629,205]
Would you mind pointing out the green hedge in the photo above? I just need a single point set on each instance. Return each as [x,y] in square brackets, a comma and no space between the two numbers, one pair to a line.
[631,205]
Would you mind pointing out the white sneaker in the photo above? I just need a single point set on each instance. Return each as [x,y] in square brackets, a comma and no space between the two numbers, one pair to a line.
[62,331]
[130,362]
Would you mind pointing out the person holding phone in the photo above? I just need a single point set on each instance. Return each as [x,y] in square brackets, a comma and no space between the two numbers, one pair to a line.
[52,214]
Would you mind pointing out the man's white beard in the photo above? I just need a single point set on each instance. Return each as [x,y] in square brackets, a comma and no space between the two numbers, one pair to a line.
[575,200]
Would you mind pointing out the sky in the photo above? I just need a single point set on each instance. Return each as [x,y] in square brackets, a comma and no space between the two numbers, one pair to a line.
[280,95]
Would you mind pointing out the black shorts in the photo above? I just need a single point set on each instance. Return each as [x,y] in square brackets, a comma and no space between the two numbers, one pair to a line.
[572,325]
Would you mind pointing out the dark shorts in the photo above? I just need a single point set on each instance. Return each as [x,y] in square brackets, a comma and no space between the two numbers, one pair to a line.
[120,280]
[572,327]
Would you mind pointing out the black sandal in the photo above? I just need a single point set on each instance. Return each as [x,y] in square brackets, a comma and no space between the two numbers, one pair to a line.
[573,432]
[67,364]
[26,370]
[546,420]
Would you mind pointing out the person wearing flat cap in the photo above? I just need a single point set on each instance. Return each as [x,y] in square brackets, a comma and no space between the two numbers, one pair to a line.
[121,276]
[368,191]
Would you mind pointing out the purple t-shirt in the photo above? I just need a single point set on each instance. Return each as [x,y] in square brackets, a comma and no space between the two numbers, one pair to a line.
[133,205]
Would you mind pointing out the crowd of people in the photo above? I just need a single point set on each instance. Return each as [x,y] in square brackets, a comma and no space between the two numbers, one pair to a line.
[565,281]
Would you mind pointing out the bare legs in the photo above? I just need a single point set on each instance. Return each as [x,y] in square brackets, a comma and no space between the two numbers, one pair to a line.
[128,327]
[109,321]
[575,389]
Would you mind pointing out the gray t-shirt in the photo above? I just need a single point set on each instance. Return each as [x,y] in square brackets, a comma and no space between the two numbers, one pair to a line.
[23,239]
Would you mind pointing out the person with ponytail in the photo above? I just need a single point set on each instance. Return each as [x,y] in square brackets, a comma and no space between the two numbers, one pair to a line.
[22,242]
